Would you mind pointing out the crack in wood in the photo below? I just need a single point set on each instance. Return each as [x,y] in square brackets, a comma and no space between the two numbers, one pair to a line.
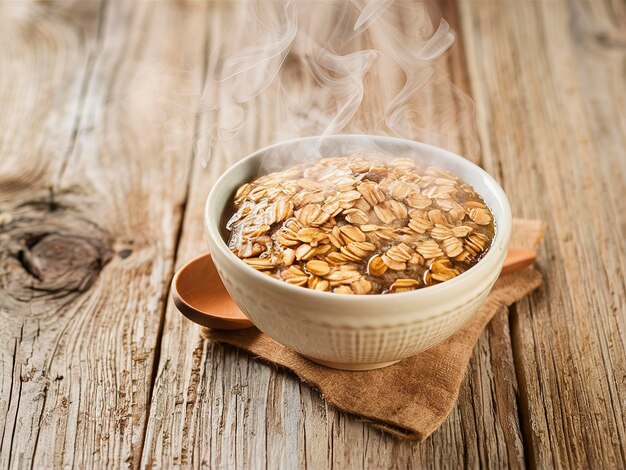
[84,88]
[179,233]
[19,393]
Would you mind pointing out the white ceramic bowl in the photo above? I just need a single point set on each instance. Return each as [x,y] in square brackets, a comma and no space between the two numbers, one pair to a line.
[356,332]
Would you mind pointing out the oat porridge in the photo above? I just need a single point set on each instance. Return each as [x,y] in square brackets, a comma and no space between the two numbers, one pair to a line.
[360,224]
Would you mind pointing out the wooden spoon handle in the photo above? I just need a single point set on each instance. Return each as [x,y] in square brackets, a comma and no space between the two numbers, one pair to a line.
[518,259]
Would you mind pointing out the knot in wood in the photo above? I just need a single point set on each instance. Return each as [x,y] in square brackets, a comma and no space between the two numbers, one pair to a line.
[51,256]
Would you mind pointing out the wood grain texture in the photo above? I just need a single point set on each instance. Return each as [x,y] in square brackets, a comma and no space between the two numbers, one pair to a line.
[91,196]
[550,96]
[104,170]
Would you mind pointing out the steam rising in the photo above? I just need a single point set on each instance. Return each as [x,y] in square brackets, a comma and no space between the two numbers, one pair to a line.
[251,70]
[343,75]
[370,13]
[391,48]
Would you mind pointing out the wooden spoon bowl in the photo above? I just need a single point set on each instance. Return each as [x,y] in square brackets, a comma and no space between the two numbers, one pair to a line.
[200,295]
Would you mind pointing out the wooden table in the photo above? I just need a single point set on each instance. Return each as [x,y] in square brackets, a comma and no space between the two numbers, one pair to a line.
[103,175]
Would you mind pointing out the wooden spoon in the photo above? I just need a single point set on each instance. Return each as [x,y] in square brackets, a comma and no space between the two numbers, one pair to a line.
[200,295]
[518,259]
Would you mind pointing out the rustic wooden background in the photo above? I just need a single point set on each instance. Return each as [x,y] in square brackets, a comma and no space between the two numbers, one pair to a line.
[101,194]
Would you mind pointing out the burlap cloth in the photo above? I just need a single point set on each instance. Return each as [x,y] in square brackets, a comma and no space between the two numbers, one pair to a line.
[412,398]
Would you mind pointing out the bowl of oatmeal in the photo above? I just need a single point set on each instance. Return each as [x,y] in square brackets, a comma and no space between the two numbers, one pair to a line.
[357,251]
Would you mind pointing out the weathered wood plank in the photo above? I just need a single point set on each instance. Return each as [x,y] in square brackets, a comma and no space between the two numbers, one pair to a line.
[549,86]
[87,112]
[40,54]
[214,407]
[94,86]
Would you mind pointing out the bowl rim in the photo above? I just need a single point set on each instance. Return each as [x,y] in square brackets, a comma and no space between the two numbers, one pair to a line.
[502,233]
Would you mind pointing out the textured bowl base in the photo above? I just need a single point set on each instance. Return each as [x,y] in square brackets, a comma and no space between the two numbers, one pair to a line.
[350,366]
